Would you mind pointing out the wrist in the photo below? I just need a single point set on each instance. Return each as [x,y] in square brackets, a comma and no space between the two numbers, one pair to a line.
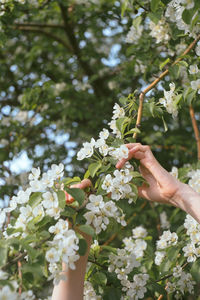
[178,199]
[188,200]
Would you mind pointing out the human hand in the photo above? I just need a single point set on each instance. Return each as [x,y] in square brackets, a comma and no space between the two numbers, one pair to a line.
[162,185]
[82,185]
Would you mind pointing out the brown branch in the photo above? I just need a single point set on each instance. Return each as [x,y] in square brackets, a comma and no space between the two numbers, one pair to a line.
[70,33]
[20,256]
[39,25]
[155,82]
[48,34]
[19,265]
[196,130]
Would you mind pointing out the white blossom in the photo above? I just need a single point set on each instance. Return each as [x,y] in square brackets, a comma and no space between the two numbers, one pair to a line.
[134,34]
[160,31]
[197,50]
[195,85]
[193,69]
[169,101]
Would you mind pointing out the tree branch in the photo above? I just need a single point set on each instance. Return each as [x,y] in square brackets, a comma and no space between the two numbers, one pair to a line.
[196,130]
[48,34]
[40,25]
[155,82]
[69,30]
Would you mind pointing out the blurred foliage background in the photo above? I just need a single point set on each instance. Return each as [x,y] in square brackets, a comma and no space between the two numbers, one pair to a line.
[63,66]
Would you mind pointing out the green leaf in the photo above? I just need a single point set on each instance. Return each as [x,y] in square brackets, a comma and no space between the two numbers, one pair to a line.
[133,130]
[124,6]
[174,71]
[183,63]
[123,100]
[165,124]
[13,230]
[157,287]
[67,181]
[121,124]
[94,167]
[77,194]
[195,271]
[154,5]
[100,278]
[87,174]
[82,247]
[35,199]
[87,229]
[178,98]
[163,64]
[32,253]
[3,253]
[187,15]
[112,294]
[135,191]
[68,212]
[61,199]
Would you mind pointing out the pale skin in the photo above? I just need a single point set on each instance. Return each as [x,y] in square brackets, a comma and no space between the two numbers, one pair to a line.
[162,187]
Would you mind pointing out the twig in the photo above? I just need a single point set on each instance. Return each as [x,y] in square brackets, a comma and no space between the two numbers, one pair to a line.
[196,130]
[155,82]
[143,7]
[96,263]
[19,265]
[170,275]
[21,256]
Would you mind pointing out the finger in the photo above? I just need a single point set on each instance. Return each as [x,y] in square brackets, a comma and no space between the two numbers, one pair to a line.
[132,154]
[82,185]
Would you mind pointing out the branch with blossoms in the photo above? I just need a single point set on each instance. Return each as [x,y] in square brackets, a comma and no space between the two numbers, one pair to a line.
[157,80]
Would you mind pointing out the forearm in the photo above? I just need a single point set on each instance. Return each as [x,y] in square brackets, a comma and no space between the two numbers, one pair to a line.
[72,288]
[188,200]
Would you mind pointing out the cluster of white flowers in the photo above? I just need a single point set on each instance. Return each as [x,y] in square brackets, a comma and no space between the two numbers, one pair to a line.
[48,203]
[64,245]
[63,248]
[166,240]
[136,289]
[6,293]
[160,31]
[3,5]
[192,249]
[118,112]
[183,283]
[134,34]
[100,212]
[89,147]
[136,244]
[118,185]
[122,264]
[169,100]
[174,12]
[89,292]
